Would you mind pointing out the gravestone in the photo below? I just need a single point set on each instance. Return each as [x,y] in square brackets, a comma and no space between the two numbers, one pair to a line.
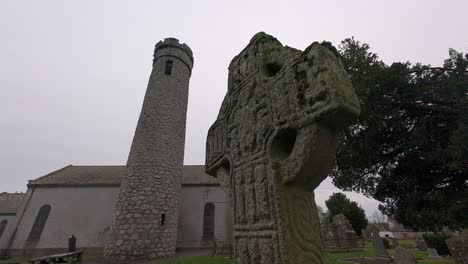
[379,246]
[72,244]
[432,253]
[274,142]
[394,243]
[403,256]
[458,247]
[421,245]
[341,223]
[343,234]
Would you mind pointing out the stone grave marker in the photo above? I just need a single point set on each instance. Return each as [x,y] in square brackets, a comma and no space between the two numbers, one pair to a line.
[458,247]
[403,256]
[394,243]
[343,234]
[421,245]
[433,254]
[274,142]
[72,243]
[379,246]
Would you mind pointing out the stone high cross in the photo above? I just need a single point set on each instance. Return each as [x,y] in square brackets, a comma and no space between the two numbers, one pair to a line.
[273,143]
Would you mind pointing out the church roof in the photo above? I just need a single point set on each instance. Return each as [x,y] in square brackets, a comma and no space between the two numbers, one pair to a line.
[111,176]
[10,202]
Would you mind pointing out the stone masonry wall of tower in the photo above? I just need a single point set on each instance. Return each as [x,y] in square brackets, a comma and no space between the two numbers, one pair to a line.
[146,214]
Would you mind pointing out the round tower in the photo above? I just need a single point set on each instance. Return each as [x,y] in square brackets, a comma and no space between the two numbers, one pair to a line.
[146,214]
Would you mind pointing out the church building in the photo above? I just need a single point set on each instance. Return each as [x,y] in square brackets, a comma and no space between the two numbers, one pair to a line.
[145,210]
[79,201]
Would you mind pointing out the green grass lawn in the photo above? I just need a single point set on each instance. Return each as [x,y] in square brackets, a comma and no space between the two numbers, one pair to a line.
[421,257]
[407,243]
[437,261]
[332,258]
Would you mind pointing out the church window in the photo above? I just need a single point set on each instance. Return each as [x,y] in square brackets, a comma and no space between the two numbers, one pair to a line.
[208,221]
[168,68]
[39,223]
[2,227]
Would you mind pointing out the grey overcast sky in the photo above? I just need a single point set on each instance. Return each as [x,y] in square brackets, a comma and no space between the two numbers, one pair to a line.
[73,73]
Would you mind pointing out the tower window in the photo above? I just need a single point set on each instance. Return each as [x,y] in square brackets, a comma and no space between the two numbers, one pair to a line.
[208,221]
[163,217]
[2,227]
[39,223]
[168,68]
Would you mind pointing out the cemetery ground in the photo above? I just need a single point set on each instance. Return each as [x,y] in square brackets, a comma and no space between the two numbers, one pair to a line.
[332,258]
[421,256]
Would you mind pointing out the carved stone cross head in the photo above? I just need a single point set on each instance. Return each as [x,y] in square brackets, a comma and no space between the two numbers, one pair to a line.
[273,143]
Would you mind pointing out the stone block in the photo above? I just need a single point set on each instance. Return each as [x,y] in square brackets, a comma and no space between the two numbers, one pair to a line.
[458,247]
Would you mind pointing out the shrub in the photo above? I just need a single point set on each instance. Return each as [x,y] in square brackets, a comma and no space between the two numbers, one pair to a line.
[437,241]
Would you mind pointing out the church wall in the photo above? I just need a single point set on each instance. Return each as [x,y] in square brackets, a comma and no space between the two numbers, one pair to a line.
[8,231]
[190,232]
[85,212]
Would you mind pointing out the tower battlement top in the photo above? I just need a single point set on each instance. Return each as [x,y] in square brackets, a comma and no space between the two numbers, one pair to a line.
[173,43]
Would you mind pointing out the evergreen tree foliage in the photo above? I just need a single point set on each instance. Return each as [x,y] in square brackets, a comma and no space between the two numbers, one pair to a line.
[409,147]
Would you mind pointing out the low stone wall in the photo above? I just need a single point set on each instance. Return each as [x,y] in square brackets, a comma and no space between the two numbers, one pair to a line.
[352,245]
[181,244]
[344,250]
[38,252]
[367,260]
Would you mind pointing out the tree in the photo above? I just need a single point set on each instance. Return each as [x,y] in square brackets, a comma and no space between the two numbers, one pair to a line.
[338,203]
[408,148]
[321,213]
